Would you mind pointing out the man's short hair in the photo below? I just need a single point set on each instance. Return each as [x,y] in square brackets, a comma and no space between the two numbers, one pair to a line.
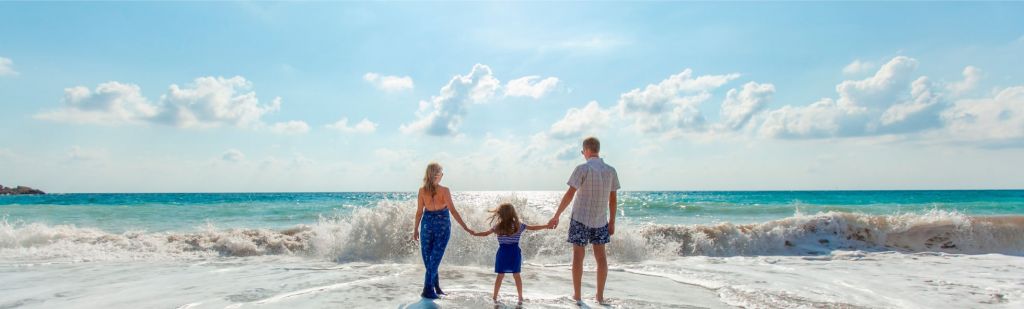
[592,144]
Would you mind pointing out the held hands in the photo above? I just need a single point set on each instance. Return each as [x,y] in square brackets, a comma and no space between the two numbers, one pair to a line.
[553,223]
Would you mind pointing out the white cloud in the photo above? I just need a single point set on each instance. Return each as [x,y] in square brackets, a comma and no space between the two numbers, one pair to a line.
[920,112]
[858,67]
[672,103]
[388,82]
[233,155]
[526,87]
[740,105]
[7,67]
[442,114]
[991,120]
[365,126]
[823,118]
[569,152]
[580,121]
[972,75]
[206,102]
[874,105]
[290,127]
[111,103]
[213,101]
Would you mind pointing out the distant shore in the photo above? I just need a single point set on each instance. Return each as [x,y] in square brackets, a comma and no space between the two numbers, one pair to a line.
[20,190]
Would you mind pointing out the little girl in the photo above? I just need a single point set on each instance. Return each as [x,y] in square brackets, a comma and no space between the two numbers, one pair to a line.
[509,258]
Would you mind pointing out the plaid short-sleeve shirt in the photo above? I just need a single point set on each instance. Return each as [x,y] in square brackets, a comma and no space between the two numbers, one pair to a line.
[594,181]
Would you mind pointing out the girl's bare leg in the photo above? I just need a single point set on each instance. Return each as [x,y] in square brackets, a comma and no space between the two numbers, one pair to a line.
[519,286]
[497,286]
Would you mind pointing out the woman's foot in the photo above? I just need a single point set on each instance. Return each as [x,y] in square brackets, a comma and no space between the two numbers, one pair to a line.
[428,293]
[437,287]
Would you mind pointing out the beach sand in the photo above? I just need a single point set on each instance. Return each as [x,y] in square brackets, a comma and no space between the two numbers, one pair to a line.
[842,280]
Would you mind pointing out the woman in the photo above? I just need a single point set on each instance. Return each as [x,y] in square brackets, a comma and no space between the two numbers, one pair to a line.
[433,203]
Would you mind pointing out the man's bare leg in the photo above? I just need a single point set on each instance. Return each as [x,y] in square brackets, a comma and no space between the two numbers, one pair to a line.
[578,252]
[602,271]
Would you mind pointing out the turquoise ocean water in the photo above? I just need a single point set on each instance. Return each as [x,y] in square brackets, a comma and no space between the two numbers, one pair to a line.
[117,212]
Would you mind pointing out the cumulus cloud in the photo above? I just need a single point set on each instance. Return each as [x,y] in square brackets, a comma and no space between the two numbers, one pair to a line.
[740,105]
[672,103]
[7,67]
[920,112]
[111,103]
[569,152]
[365,126]
[290,127]
[214,101]
[233,155]
[206,102]
[887,102]
[971,77]
[530,86]
[442,114]
[389,83]
[581,121]
[858,67]
[998,119]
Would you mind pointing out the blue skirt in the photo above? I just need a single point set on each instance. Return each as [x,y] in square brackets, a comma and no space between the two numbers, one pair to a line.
[509,259]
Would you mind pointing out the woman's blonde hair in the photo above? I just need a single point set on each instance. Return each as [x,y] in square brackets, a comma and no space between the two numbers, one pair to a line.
[508,220]
[428,178]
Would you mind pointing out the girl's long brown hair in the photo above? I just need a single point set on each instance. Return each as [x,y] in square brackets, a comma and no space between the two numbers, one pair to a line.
[428,178]
[508,220]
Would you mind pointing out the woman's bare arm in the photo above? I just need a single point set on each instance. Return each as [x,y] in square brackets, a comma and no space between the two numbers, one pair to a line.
[455,213]
[419,215]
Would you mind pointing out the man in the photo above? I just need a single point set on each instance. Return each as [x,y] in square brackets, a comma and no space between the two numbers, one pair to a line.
[594,185]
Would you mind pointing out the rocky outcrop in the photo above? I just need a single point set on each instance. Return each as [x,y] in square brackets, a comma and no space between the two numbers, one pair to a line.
[19,190]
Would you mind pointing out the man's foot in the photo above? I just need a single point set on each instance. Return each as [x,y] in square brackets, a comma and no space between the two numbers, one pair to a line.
[601,301]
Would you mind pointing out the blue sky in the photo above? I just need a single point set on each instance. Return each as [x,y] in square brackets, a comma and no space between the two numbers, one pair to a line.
[157,97]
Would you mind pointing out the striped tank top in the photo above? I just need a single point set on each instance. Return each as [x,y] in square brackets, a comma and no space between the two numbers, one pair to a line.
[511,239]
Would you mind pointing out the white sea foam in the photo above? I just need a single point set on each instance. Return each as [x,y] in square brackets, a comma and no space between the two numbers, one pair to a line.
[382,234]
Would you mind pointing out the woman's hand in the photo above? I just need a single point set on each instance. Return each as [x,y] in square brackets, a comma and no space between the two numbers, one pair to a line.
[415,235]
